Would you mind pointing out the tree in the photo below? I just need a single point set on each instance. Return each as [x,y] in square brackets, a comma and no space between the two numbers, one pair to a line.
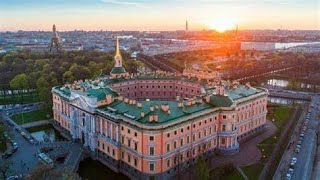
[202,169]
[48,173]
[20,81]
[68,77]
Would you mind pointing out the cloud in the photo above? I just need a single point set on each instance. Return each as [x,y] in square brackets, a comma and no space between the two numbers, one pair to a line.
[125,3]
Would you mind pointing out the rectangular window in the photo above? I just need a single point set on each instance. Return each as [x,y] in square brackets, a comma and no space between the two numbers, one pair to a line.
[151,138]
[168,135]
[168,163]
[129,143]
[223,140]
[129,158]
[182,130]
[188,139]
[175,144]
[136,146]
[168,147]
[181,142]
[223,127]
[151,150]
[135,162]
[151,166]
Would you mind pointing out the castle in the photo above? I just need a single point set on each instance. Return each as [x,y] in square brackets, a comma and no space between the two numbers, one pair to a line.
[152,125]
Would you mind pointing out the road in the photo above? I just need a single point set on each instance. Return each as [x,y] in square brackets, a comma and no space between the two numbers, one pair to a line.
[305,158]
[25,158]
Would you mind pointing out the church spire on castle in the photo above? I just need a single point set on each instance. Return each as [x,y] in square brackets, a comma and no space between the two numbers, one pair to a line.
[118,70]
[118,57]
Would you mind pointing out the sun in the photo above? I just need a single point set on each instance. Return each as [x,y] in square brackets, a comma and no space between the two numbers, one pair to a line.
[222,25]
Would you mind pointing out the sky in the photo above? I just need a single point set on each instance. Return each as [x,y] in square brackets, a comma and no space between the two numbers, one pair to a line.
[158,15]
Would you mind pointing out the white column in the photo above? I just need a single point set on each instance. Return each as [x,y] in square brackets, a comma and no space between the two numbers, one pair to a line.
[106,127]
[110,130]
[100,121]
[117,134]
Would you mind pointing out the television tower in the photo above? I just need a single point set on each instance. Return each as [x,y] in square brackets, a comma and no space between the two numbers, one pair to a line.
[187,26]
[55,42]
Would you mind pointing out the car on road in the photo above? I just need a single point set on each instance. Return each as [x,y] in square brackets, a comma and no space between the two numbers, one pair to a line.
[301,135]
[29,139]
[15,177]
[299,142]
[18,129]
[294,160]
[288,176]
[6,155]
[290,171]
[297,150]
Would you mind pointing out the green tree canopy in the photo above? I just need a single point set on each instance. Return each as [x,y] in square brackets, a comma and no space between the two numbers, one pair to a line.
[202,170]
[20,81]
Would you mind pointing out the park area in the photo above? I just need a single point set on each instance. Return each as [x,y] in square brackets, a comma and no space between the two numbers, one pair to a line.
[32,116]
[280,116]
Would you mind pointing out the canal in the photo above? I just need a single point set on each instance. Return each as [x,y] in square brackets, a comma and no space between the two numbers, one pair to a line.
[95,170]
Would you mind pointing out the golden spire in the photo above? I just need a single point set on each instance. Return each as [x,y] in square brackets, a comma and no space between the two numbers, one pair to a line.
[118,48]
[118,57]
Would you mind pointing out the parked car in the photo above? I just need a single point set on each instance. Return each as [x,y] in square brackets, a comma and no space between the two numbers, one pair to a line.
[6,155]
[290,171]
[299,142]
[288,176]
[294,160]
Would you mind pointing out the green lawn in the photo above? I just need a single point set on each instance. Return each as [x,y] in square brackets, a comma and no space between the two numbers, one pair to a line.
[3,145]
[253,171]
[223,173]
[32,116]
[281,115]
[18,99]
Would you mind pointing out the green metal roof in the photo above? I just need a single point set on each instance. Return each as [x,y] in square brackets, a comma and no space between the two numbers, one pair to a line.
[118,70]
[101,93]
[241,91]
[134,112]
[220,101]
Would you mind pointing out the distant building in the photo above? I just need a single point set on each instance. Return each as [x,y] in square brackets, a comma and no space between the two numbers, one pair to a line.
[55,43]
[153,125]
[258,46]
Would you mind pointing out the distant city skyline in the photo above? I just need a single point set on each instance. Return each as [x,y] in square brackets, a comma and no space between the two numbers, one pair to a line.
[158,15]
